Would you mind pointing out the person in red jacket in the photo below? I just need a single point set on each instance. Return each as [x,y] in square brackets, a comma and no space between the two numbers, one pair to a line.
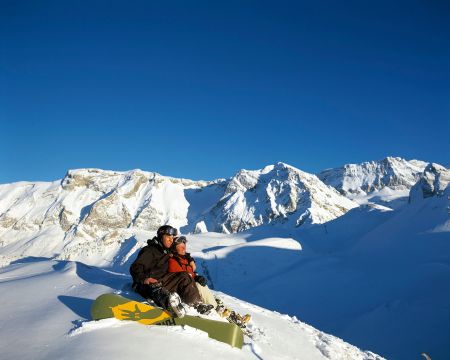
[181,261]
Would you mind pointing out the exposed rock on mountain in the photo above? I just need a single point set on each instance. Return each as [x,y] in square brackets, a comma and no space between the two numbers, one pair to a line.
[278,193]
[433,182]
[386,182]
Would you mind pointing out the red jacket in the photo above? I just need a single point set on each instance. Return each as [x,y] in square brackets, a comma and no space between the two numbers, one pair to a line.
[179,263]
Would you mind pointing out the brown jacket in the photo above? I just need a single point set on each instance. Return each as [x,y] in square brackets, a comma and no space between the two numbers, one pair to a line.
[152,261]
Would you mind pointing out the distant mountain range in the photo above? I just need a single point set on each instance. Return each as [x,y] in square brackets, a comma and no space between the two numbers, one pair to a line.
[382,182]
[92,212]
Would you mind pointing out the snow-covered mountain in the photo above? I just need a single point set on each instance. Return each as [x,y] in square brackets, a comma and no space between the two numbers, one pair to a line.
[284,241]
[276,194]
[432,182]
[375,181]
[92,212]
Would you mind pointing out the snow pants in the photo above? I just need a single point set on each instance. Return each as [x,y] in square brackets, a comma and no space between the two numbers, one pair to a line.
[206,295]
[180,282]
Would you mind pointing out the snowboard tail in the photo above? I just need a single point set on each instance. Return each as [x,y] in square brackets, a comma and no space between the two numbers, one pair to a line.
[119,307]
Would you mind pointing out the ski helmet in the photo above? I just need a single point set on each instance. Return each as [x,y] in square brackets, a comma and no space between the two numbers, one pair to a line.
[166,230]
[179,240]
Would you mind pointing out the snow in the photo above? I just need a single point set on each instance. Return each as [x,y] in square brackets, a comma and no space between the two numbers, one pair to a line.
[45,315]
[370,276]
[368,268]
[96,211]
[385,182]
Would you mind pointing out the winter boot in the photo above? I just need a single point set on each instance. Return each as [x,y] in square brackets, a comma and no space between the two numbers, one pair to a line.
[223,311]
[175,306]
[246,318]
[203,309]
[218,301]
[238,319]
[158,295]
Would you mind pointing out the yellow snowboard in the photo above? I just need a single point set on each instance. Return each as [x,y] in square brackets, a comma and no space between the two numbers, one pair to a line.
[119,307]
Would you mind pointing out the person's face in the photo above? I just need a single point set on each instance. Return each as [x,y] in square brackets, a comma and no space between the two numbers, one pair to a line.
[181,249]
[167,241]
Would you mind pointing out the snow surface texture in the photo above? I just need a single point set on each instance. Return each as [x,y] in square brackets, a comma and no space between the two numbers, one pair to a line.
[46,312]
[374,276]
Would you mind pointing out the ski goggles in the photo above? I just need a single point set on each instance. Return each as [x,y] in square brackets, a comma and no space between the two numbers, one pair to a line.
[170,231]
[180,240]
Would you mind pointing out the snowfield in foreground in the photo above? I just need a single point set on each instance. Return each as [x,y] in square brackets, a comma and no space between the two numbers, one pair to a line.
[46,315]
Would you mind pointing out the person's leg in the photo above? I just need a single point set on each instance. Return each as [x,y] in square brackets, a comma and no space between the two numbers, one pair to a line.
[206,295]
[183,284]
[155,292]
[169,301]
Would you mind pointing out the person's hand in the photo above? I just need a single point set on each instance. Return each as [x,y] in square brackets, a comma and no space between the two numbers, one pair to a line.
[201,280]
[150,280]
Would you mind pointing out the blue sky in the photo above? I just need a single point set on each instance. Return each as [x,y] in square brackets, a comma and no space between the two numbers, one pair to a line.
[202,89]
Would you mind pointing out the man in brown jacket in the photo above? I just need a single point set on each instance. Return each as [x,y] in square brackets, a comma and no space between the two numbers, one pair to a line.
[152,280]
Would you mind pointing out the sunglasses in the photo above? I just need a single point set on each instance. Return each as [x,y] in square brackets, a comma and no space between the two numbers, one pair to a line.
[180,240]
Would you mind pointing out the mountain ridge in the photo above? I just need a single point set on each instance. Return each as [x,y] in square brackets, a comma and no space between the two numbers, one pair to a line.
[94,211]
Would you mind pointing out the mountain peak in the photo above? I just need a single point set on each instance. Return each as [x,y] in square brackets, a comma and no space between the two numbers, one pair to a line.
[433,182]
[394,173]
[277,193]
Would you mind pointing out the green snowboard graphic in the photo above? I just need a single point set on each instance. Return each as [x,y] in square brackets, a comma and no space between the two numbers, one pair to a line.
[119,307]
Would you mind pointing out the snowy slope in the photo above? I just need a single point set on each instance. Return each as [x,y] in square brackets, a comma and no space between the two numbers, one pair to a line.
[386,182]
[375,277]
[45,315]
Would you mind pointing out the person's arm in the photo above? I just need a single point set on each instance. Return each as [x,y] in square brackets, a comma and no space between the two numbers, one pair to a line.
[191,261]
[139,269]
[193,266]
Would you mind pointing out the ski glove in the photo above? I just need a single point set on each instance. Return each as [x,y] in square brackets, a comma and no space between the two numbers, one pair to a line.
[200,279]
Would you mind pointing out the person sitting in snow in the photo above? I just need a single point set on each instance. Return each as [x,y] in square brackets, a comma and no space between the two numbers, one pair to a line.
[182,261]
[152,280]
